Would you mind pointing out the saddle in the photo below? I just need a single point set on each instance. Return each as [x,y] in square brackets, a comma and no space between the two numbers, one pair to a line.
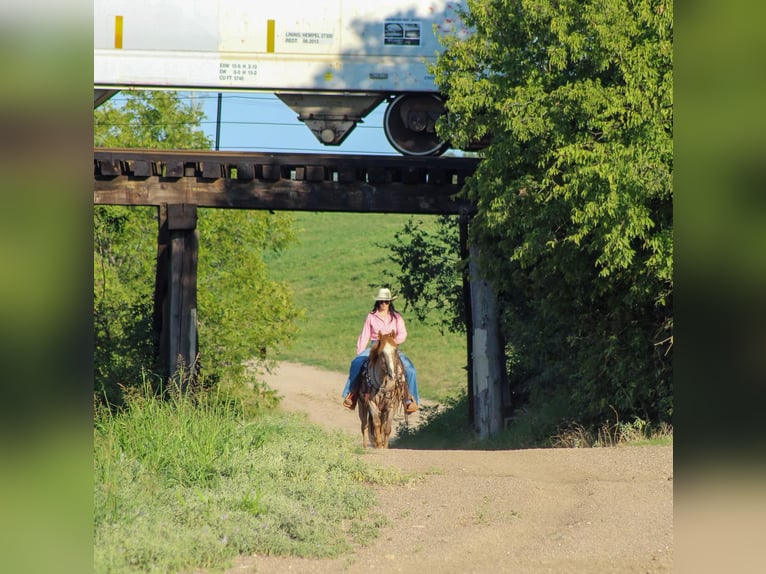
[364,377]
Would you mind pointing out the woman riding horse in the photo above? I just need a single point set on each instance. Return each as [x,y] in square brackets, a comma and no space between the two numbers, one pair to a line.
[382,388]
[383,318]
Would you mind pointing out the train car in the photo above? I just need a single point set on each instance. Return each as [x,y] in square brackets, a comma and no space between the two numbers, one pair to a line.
[332,61]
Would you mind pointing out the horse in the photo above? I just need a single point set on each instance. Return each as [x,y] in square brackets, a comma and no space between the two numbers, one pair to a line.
[383,388]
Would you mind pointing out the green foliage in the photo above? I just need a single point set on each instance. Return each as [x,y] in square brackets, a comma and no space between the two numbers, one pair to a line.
[574,194]
[189,483]
[431,271]
[124,252]
[150,120]
[243,315]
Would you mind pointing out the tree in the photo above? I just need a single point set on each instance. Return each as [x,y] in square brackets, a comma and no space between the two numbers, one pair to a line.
[574,194]
[431,273]
[150,120]
[124,241]
[243,314]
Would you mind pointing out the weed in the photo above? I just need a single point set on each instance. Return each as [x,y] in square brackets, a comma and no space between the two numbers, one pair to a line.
[188,482]
[482,514]
[638,431]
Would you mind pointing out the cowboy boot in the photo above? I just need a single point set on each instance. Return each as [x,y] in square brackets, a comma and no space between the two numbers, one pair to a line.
[411,406]
[350,401]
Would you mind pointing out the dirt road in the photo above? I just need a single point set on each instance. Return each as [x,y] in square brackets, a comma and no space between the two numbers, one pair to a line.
[528,511]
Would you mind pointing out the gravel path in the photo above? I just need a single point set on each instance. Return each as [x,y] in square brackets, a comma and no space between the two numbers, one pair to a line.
[525,511]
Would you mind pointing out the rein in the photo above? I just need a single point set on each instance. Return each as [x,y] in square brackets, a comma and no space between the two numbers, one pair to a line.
[368,378]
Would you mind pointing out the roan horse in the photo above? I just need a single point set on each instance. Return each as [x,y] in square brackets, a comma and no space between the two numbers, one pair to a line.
[383,388]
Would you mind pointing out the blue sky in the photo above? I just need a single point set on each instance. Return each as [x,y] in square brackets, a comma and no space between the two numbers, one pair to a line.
[255,121]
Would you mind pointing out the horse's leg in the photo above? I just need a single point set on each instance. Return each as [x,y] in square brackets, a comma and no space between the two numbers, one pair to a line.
[387,426]
[378,433]
[404,391]
[363,419]
[375,414]
[376,426]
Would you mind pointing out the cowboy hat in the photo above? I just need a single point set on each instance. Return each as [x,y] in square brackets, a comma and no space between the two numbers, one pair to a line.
[384,295]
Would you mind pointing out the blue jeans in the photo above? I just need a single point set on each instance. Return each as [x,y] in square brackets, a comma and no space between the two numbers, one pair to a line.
[409,373]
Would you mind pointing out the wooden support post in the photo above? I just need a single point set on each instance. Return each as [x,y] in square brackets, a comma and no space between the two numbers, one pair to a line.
[465,218]
[160,317]
[488,356]
[180,316]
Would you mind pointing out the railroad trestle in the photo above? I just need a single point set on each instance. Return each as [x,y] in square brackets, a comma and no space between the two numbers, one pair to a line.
[177,182]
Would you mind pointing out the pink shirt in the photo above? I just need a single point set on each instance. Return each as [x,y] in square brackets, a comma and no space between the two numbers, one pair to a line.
[374,323]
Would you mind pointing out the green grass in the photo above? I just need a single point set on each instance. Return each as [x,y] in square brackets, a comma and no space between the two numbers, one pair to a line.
[184,484]
[334,272]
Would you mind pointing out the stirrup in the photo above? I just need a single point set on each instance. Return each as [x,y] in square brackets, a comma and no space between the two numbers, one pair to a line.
[411,406]
[350,401]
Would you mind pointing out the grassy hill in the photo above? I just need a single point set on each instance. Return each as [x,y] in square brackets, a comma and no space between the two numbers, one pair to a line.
[334,270]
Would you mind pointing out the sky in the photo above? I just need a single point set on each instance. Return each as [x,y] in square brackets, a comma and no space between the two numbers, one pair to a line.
[256,121]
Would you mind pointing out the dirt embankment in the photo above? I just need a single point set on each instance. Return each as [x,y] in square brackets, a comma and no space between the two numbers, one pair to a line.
[527,511]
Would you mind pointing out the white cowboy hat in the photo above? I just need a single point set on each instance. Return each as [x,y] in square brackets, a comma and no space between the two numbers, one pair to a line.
[384,295]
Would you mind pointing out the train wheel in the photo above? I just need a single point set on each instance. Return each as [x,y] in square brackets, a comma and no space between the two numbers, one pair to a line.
[409,124]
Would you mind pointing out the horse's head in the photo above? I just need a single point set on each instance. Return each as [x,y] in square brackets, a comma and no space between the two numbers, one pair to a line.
[387,348]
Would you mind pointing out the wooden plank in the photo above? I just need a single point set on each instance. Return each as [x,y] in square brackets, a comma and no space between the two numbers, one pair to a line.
[314,168]
[160,323]
[245,171]
[376,174]
[283,194]
[271,172]
[347,174]
[109,168]
[413,175]
[142,168]
[189,337]
[464,223]
[438,177]
[452,164]
[174,169]
[182,296]
[212,170]
[315,173]
[175,301]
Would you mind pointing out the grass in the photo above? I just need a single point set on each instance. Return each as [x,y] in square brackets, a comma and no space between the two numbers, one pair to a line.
[189,483]
[334,272]
[537,425]
[637,432]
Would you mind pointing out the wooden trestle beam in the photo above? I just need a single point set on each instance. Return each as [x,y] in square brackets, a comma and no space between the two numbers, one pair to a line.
[293,182]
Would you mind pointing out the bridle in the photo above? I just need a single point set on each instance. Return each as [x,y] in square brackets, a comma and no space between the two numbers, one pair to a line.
[376,386]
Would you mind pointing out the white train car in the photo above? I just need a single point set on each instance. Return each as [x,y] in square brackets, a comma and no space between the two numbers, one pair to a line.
[331,61]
